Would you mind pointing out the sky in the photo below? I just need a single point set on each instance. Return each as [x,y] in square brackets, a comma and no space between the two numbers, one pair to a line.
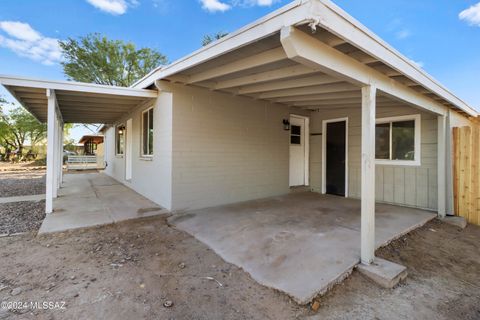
[443,36]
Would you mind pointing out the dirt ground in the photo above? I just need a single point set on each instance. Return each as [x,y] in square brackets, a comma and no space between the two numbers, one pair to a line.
[443,279]
[129,270]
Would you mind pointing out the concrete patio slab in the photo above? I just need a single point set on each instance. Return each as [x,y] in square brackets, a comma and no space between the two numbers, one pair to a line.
[301,243]
[93,199]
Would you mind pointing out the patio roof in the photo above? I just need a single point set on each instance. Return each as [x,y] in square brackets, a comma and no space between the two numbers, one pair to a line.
[309,54]
[77,102]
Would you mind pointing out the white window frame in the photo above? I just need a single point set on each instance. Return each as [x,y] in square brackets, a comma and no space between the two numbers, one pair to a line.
[142,155]
[116,139]
[417,143]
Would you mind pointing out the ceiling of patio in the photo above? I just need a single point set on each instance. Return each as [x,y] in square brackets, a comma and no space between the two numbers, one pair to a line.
[261,70]
[78,103]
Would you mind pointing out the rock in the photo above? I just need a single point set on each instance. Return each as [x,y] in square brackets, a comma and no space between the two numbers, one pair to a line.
[72,278]
[168,304]
[315,306]
[16,291]
[181,265]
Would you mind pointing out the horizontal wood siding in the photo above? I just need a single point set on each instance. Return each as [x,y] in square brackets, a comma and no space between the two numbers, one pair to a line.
[414,186]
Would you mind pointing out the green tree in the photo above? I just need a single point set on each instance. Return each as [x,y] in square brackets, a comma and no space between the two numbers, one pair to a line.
[96,59]
[209,38]
[19,126]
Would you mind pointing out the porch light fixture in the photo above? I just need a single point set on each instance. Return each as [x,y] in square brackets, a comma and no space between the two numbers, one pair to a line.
[286,125]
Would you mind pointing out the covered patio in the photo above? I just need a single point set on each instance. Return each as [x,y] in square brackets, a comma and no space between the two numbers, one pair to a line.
[302,243]
[60,102]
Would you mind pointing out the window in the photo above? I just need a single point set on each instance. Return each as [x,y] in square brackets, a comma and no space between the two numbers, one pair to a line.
[120,139]
[147,132]
[295,134]
[397,140]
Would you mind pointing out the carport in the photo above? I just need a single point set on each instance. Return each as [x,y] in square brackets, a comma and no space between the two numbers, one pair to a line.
[60,102]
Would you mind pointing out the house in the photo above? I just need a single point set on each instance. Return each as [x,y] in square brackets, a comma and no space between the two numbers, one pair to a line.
[305,97]
[91,144]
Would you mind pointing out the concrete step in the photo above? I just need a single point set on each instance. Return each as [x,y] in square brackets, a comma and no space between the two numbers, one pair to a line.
[385,273]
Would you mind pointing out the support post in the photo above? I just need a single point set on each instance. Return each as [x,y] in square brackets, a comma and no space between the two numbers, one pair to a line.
[441,166]
[62,128]
[55,157]
[51,119]
[368,175]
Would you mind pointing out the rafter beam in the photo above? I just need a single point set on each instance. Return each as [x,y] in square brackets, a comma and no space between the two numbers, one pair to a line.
[266,57]
[278,74]
[305,49]
[325,96]
[327,88]
[288,84]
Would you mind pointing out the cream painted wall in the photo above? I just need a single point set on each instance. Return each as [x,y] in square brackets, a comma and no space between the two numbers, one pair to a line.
[403,185]
[227,148]
[151,177]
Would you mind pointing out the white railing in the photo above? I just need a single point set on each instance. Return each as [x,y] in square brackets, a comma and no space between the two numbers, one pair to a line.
[81,162]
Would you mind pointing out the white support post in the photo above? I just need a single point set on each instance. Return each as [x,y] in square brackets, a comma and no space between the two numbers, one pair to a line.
[55,157]
[441,166]
[51,119]
[368,175]
[62,128]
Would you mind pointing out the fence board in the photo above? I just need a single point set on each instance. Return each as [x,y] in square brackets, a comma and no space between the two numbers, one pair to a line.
[466,173]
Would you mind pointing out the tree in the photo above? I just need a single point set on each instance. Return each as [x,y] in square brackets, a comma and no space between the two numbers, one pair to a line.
[96,59]
[19,126]
[209,38]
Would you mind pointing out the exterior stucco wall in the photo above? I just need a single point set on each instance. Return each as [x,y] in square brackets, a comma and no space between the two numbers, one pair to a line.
[414,186]
[227,148]
[151,177]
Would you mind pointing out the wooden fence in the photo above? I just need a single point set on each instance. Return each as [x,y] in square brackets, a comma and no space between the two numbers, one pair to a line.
[466,173]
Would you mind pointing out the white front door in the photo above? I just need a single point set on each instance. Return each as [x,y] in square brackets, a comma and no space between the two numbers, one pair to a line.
[298,151]
[128,150]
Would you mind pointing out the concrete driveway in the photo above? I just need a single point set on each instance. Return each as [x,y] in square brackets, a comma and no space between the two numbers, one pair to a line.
[301,243]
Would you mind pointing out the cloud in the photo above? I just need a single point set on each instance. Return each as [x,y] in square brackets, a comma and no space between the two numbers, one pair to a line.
[251,3]
[22,39]
[215,5]
[225,5]
[471,15]
[403,34]
[114,7]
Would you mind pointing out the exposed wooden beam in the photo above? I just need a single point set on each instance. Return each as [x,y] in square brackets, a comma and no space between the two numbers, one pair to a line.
[278,74]
[101,100]
[304,49]
[288,84]
[327,88]
[325,96]
[266,57]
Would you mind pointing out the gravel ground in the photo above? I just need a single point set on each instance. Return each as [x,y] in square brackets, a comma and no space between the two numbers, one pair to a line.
[22,216]
[22,183]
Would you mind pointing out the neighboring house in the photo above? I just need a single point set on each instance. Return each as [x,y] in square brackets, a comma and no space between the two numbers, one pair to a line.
[90,144]
[306,96]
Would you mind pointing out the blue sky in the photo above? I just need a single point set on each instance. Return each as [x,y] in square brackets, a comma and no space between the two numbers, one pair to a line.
[434,33]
